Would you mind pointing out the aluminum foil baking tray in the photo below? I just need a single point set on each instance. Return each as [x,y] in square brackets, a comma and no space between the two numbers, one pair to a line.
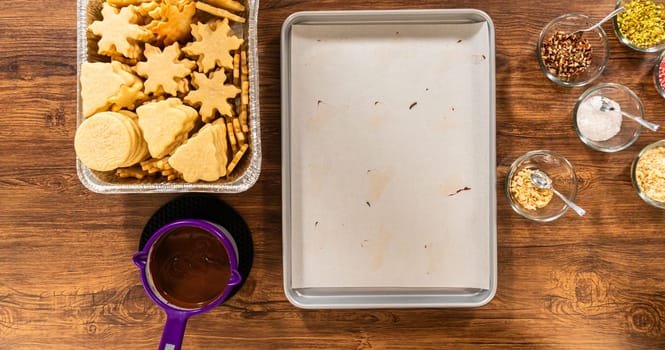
[248,170]
[388,159]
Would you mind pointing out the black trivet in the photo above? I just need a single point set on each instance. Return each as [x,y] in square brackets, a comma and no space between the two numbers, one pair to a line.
[209,208]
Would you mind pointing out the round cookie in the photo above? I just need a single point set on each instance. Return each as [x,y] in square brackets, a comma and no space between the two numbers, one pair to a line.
[140,147]
[109,140]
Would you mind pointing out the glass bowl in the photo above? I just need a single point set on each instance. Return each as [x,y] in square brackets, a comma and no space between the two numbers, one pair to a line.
[647,172]
[597,39]
[563,178]
[654,47]
[658,72]
[593,126]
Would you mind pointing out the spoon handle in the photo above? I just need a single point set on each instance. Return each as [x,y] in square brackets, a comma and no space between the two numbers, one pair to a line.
[647,124]
[570,204]
[612,14]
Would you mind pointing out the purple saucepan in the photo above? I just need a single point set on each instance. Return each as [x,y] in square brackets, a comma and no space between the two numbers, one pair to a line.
[178,315]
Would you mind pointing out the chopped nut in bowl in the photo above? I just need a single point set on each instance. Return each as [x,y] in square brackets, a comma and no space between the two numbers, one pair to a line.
[642,25]
[572,59]
[648,174]
[535,203]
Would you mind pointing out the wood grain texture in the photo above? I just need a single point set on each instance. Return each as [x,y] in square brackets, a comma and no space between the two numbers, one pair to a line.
[67,280]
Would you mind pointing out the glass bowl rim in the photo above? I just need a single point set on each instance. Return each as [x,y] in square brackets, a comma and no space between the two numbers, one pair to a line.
[633,180]
[656,74]
[622,39]
[511,170]
[554,78]
[590,143]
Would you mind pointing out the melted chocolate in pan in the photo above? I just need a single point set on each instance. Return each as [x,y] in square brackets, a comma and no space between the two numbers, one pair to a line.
[209,208]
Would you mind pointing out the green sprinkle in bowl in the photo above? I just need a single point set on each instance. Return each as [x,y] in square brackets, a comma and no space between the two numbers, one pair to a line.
[656,46]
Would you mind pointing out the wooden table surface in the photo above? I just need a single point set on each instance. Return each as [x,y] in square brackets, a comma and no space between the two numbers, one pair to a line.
[67,280]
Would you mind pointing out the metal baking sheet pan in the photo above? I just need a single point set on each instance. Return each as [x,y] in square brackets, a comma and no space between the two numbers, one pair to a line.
[389,166]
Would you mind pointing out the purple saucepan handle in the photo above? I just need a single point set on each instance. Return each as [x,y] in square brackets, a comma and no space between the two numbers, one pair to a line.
[174,330]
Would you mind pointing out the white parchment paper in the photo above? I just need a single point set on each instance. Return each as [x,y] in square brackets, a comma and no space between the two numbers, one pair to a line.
[390,155]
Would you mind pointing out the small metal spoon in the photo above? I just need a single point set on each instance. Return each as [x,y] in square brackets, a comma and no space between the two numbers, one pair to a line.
[606,107]
[540,179]
[612,14]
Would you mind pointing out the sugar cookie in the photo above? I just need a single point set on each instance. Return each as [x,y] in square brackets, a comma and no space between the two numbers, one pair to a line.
[109,140]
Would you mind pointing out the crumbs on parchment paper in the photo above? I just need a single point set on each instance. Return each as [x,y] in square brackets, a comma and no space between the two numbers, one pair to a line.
[465,188]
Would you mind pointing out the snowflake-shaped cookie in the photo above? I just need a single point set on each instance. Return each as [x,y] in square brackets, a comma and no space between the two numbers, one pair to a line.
[164,70]
[172,20]
[213,42]
[211,95]
[120,35]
